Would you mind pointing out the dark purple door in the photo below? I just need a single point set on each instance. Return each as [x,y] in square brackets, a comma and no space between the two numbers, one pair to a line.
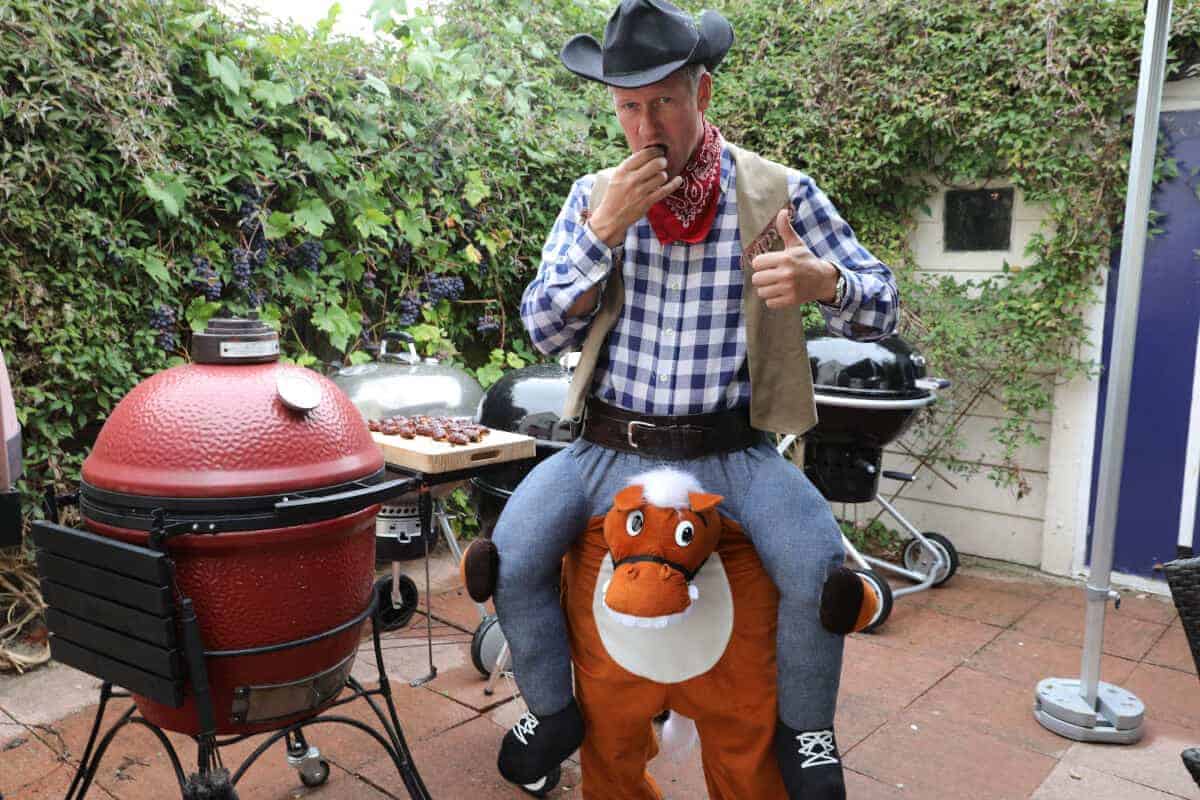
[1161,396]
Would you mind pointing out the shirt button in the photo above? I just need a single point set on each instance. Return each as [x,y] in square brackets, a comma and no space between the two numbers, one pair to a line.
[663,377]
[669,331]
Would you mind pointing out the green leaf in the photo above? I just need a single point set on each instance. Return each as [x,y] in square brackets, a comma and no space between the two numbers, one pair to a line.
[313,215]
[316,156]
[199,312]
[329,128]
[278,225]
[371,222]
[273,94]
[371,82]
[156,268]
[337,325]
[475,189]
[514,361]
[167,191]
[488,374]
[225,70]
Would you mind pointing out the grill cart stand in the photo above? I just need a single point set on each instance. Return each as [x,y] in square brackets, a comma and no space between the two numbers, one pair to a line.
[119,604]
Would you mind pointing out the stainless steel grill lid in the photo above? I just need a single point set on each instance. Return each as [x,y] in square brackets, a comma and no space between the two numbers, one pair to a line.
[403,384]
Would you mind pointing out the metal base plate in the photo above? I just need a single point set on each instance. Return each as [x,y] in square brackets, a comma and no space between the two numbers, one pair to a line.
[1061,707]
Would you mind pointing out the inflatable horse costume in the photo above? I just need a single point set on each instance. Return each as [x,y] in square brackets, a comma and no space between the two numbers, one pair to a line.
[668,607]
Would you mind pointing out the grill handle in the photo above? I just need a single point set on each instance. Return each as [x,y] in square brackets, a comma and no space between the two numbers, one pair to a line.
[300,509]
[932,384]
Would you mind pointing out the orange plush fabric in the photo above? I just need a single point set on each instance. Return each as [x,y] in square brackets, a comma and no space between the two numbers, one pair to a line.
[733,704]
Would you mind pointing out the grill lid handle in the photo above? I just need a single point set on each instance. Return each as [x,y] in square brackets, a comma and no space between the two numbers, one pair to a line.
[298,509]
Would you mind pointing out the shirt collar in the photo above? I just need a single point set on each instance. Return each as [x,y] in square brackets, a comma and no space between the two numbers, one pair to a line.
[726,168]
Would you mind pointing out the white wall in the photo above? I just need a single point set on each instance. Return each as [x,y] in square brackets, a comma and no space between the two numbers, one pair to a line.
[978,516]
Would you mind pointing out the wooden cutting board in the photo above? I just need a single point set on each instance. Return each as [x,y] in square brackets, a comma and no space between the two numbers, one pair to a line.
[425,455]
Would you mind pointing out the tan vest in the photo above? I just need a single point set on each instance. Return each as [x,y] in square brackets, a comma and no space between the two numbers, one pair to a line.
[781,392]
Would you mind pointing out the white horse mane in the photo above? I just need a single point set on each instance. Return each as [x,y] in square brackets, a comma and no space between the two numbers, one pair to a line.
[666,487]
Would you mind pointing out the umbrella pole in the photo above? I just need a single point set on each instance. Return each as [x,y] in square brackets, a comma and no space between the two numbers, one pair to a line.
[1087,709]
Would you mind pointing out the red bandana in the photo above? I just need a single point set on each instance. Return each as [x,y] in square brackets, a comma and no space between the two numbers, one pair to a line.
[687,214]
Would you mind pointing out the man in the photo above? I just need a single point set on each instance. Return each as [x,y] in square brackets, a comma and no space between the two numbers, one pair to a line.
[682,272]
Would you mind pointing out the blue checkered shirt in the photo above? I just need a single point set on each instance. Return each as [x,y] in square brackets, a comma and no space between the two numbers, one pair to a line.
[679,346]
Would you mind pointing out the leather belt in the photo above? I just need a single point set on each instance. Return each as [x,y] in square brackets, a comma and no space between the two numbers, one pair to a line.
[675,438]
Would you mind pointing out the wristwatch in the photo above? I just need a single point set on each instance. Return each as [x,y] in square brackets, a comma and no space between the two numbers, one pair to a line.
[839,293]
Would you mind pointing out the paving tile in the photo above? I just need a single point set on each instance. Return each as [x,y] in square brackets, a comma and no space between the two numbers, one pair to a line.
[1125,635]
[991,705]
[935,758]
[856,719]
[26,761]
[1172,650]
[406,653]
[53,785]
[47,694]
[1139,605]
[1154,761]
[990,602]
[1026,659]
[923,631]
[465,684]
[863,787]
[887,678]
[9,729]
[456,608]
[1169,695]
[459,763]
[1073,782]
[681,778]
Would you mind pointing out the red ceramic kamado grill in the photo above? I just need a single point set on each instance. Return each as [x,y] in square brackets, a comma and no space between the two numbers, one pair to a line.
[230,511]
[213,448]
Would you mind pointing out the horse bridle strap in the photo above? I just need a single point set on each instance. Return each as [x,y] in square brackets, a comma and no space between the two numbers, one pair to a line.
[688,574]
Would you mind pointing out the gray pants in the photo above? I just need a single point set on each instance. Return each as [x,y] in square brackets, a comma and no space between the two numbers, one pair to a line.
[789,522]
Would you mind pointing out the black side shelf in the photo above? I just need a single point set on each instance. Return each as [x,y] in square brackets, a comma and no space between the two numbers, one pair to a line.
[111,610]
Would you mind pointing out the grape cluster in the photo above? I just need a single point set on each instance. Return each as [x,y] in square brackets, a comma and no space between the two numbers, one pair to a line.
[410,309]
[112,256]
[438,287]
[256,298]
[206,279]
[248,219]
[404,256]
[368,279]
[162,319]
[487,324]
[307,255]
[242,269]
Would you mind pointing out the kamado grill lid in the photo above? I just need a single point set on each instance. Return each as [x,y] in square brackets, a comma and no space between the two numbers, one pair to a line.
[234,432]
[884,369]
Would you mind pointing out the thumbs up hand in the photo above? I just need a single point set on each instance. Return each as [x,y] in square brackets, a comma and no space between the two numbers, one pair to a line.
[792,275]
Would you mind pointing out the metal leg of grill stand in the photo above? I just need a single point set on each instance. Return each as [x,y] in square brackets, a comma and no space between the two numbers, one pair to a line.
[498,670]
[452,542]
[425,511]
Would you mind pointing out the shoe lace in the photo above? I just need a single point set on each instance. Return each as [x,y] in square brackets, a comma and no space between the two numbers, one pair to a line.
[818,748]
[523,730]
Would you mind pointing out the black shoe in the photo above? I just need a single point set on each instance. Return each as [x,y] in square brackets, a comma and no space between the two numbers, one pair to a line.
[809,761]
[536,745]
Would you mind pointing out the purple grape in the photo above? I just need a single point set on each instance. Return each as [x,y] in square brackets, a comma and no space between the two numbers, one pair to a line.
[487,324]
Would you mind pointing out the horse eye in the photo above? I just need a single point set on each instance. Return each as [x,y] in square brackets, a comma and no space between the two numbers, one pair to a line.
[685,532]
[634,523]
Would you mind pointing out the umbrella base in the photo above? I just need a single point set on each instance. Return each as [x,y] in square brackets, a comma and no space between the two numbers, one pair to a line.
[1061,707]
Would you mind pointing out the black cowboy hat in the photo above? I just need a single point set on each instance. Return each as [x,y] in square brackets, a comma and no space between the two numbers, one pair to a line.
[647,40]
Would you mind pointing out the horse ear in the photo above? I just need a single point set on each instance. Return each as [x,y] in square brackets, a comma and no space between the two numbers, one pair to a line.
[628,498]
[703,502]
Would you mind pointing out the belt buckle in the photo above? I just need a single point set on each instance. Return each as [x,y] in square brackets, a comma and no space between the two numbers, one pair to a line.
[630,428]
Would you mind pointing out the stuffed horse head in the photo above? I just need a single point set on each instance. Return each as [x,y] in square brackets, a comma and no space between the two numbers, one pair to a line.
[661,529]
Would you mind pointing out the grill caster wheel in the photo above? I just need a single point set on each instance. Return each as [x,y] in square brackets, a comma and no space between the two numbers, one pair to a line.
[486,645]
[918,559]
[545,786]
[392,618]
[317,776]
[307,761]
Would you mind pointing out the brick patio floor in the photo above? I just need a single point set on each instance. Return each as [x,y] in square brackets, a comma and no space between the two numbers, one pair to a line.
[937,706]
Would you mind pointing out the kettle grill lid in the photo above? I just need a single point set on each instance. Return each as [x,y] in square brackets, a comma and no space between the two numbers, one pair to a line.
[886,368]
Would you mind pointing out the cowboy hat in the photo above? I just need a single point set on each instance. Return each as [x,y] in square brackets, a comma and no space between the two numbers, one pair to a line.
[647,40]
